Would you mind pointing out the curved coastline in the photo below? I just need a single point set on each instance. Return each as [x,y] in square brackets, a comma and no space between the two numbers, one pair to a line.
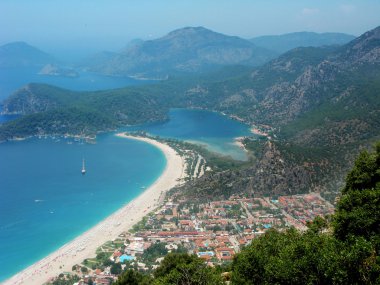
[85,245]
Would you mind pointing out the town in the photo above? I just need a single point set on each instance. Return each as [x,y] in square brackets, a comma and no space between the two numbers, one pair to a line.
[213,230]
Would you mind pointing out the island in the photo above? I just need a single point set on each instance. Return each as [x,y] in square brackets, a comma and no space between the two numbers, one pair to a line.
[53,70]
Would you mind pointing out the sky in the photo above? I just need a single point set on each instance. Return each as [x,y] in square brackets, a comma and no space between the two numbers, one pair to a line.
[88,26]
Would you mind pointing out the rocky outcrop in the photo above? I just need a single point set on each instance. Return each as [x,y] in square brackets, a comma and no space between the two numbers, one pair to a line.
[35,98]
[270,174]
[53,70]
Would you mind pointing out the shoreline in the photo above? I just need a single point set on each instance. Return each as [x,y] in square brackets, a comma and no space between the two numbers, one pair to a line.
[238,141]
[85,245]
[255,130]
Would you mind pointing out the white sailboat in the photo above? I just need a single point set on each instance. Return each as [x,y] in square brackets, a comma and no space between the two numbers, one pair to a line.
[83,168]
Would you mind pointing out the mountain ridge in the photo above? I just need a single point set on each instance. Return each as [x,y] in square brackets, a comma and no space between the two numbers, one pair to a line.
[285,42]
[18,54]
[185,50]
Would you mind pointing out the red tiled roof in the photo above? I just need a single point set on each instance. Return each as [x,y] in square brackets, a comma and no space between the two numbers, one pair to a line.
[227,257]
[220,249]
[192,233]
[205,257]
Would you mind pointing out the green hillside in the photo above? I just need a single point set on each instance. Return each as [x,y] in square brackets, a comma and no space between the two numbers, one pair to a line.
[320,106]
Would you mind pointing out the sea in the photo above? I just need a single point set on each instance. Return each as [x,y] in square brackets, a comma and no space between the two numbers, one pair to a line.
[45,201]
[13,78]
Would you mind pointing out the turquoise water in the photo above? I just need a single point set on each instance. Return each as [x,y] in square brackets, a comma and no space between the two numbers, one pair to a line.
[126,257]
[213,130]
[45,201]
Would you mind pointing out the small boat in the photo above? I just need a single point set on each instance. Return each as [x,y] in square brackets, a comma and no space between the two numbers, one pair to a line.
[83,168]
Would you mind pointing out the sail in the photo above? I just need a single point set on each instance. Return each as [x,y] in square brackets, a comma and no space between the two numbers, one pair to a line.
[83,167]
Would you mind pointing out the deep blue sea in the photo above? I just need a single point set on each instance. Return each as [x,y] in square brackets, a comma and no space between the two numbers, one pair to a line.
[6,118]
[46,202]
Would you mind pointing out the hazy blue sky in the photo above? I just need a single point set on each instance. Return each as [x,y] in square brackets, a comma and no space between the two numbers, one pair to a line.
[58,25]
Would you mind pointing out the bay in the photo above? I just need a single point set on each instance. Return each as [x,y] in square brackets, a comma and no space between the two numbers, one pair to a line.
[45,201]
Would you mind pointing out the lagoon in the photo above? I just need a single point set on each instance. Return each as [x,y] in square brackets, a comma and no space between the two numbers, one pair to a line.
[213,130]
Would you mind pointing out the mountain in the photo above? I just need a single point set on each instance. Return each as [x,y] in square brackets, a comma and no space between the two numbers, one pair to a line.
[187,50]
[20,54]
[131,44]
[286,42]
[96,60]
[319,106]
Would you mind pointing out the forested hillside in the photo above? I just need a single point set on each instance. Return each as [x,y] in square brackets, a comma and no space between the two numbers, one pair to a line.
[320,106]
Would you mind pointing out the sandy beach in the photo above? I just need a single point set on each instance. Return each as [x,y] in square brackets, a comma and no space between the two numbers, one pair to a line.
[257,131]
[239,142]
[86,244]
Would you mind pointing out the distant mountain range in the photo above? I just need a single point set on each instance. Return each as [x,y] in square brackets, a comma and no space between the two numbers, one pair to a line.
[286,42]
[183,51]
[20,54]
[186,50]
[197,49]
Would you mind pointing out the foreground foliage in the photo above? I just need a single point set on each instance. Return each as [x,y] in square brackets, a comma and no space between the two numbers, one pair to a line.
[343,249]
[176,268]
[348,256]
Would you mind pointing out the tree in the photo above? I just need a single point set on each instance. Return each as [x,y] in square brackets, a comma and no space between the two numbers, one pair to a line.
[312,257]
[347,255]
[365,173]
[132,277]
[358,210]
[318,224]
[115,268]
[179,268]
[154,251]
[108,262]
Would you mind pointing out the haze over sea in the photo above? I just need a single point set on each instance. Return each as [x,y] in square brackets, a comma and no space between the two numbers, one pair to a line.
[46,202]
[13,78]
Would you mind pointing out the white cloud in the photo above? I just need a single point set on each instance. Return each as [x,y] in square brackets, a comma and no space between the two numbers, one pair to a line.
[347,9]
[309,11]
